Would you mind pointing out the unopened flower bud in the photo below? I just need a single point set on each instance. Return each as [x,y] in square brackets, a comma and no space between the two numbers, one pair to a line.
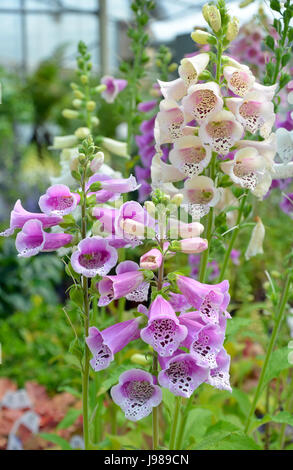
[232,29]
[139,359]
[70,113]
[84,79]
[256,240]
[177,199]
[100,88]
[91,105]
[97,162]
[95,121]
[116,147]
[189,245]
[82,132]
[205,10]
[64,141]
[173,67]
[202,37]
[78,94]
[77,103]
[73,86]
[214,18]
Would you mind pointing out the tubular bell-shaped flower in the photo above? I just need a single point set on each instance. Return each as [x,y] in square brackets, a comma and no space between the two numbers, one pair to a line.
[240,81]
[107,217]
[255,245]
[181,374]
[219,376]
[210,300]
[202,101]
[104,344]
[190,156]
[93,256]
[162,172]
[151,260]
[221,131]
[169,122]
[189,245]
[190,68]
[254,112]
[136,394]
[128,282]
[58,200]
[113,87]
[184,230]
[163,332]
[19,216]
[266,148]
[132,222]
[206,344]
[174,90]
[32,239]
[201,194]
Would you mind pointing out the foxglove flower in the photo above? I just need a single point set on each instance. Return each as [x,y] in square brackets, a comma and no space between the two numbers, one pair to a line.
[162,172]
[255,245]
[191,67]
[206,344]
[19,216]
[128,282]
[181,374]
[240,81]
[189,245]
[287,204]
[104,344]
[169,122]
[120,185]
[102,195]
[151,260]
[202,101]
[266,148]
[219,376]
[107,217]
[184,230]
[132,222]
[254,113]
[174,90]
[200,194]
[221,131]
[32,239]
[285,144]
[116,147]
[94,256]
[190,156]
[210,300]
[58,200]
[163,332]
[114,87]
[136,394]
[146,106]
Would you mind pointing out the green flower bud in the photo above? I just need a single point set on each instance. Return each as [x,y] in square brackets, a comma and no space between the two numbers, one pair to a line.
[95,121]
[100,88]
[232,29]
[69,113]
[78,94]
[202,37]
[84,79]
[77,103]
[82,132]
[91,105]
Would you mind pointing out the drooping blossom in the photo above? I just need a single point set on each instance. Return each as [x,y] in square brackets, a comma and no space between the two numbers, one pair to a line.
[177,229]
[221,131]
[189,245]
[181,374]
[240,81]
[128,282]
[284,144]
[190,156]
[169,122]
[210,300]
[114,87]
[206,344]
[58,200]
[202,101]
[219,377]
[162,172]
[19,216]
[255,245]
[174,90]
[191,67]
[151,260]
[136,394]
[106,343]
[200,194]
[93,256]
[163,332]
[32,239]
[132,222]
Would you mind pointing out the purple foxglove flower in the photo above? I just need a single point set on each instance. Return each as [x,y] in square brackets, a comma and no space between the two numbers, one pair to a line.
[19,216]
[94,256]
[128,282]
[287,204]
[32,239]
[136,394]
[58,200]
[104,344]
[132,212]
[178,302]
[120,185]
[151,260]
[206,345]
[181,374]
[189,245]
[235,257]
[210,300]
[144,191]
[145,139]
[163,332]
[219,377]
[142,173]
[114,87]
[107,216]
[146,106]
[147,126]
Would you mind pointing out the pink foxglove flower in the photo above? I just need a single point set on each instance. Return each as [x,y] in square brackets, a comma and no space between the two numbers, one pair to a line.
[189,245]
[210,300]
[151,260]
[219,377]
[191,67]
[58,200]
[94,256]
[206,344]
[221,131]
[253,112]
[163,332]
[190,156]
[128,282]
[107,217]
[32,239]
[267,92]
[114,87]
[266,148]
[104,344]
[184,230]
[146,106]
[181,374]
[174,90]
[120,185]
[240,81]
[132,222]
[136,394]
[19,216]
[169,122]
[202,101]
[200,194]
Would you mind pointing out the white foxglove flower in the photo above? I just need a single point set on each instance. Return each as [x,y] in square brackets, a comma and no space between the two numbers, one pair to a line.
[285,144]
[202,101]
[221,132]
[240,81]
[255,245]
[191,67]
[200,193]
[189,156]
[174,90]
[162,172]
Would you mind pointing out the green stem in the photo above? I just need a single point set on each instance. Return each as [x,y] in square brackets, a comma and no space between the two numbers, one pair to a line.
[175,423]
[233,238]
[279,318]
[183,423]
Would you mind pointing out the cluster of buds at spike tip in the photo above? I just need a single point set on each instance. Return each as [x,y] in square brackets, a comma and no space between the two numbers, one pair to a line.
[232,29]
[212,16]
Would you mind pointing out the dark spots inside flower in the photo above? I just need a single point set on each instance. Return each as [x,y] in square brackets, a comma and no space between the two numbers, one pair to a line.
[93,260]
[61,202]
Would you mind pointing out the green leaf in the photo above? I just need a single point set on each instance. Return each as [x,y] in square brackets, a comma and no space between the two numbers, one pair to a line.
[285,59]
[236,325]
[169,402]
[56,440]
[275,5]
[113,379]
[76,295]
[270,42]
[198,421]
[236,441]
[214,434]
[278,363]
[70,418]
[242,400]
[283,417]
